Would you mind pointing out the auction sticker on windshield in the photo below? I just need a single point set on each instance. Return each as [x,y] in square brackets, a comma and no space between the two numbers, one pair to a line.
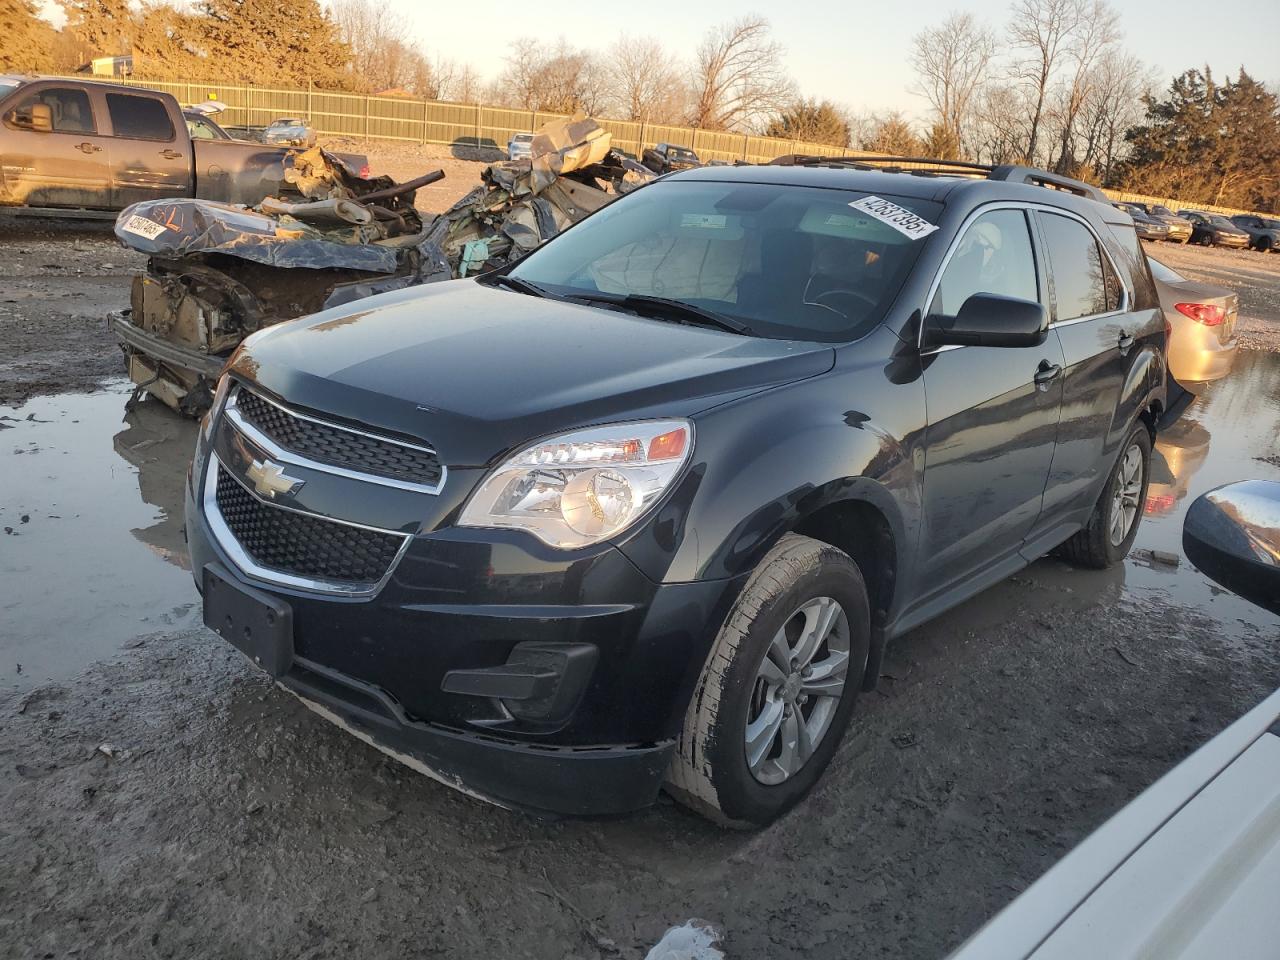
[900,218]
[143,227]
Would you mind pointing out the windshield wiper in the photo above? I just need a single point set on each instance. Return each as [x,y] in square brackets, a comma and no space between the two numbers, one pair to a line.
[687,312]
[519,285]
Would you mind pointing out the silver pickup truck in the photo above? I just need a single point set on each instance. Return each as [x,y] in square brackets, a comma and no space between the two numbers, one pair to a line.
[84,148]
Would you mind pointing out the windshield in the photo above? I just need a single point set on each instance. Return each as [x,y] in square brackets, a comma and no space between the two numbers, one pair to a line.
[789,262]
[523,138]
[1163,273]
[1160,211]
[1223,222]
[8,86]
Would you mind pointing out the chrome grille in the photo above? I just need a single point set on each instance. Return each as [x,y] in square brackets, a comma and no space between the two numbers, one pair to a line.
[339,446]
[303,545]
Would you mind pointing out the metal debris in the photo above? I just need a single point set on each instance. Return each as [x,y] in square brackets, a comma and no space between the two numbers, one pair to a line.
[695,940]
[219,272]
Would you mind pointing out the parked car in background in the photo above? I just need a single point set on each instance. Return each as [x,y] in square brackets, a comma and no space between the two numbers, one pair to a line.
[520,146]
[1264,232]
[1211,229]
[668,537]
[92,147]
[1179,227]
[1202,320]
[1147,226]
[668,157]
[291,131]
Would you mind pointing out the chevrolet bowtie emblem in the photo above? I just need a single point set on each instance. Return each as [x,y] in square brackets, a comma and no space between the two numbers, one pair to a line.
[269,479]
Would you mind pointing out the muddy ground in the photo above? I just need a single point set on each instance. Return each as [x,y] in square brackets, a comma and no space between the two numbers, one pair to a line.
[159,799]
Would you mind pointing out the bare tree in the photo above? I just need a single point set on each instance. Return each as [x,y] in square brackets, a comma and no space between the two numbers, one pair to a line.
[1097,33]
[1040,32]
[375,33]
[738,76]
[951,62]
[998,129]
[1115,103]
[644,81]
[560,79]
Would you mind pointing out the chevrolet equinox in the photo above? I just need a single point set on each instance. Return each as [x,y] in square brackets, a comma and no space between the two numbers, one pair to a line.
[645,507]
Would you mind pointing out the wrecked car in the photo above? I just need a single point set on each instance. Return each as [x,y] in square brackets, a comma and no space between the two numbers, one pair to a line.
[644,507]
[218,273]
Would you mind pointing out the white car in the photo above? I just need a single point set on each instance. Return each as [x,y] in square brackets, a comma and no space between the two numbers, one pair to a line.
[520,146]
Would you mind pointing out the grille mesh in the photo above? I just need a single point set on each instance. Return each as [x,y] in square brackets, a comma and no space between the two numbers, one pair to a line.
[302,545]
[342,448]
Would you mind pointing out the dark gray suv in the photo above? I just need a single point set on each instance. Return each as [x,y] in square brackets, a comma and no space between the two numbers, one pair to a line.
[645,507]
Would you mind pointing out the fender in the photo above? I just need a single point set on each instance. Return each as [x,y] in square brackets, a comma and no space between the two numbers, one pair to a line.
[764,463]
[1144,388]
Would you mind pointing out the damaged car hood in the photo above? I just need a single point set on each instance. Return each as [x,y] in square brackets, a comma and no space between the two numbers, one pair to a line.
[474,370]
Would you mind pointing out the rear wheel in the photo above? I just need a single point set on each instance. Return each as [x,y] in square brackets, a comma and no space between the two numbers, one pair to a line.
[778,689]
[1110,532]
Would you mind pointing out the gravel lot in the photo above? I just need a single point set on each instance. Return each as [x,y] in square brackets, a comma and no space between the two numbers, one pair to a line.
[159,799]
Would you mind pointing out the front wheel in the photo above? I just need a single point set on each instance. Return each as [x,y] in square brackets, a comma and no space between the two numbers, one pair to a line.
[778,689]
[1110,532]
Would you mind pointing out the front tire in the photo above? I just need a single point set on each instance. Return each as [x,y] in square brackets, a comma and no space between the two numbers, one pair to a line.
[1110,532]
[778,688]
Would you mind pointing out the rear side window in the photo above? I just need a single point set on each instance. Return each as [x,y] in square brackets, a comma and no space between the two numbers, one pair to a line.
[70,109]
[1081,285]
[993,256]
[139,118]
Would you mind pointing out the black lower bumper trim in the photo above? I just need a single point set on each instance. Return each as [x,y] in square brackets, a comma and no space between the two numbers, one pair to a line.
[544,780]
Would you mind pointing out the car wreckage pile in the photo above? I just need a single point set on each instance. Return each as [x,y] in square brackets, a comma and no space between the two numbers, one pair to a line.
[216,272]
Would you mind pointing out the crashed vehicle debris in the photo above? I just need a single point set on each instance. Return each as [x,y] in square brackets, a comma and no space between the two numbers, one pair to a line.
[219,272]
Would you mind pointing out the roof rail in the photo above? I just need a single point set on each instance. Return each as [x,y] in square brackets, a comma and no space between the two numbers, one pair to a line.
[1013,173]
[931,166]
[888,164]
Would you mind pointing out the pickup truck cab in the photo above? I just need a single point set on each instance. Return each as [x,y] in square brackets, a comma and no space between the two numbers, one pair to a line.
[81,145]
[647,505]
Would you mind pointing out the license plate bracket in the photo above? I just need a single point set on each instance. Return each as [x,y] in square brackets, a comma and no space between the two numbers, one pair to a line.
[254,622]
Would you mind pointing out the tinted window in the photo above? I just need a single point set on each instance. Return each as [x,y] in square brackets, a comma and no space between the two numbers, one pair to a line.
[1079,277]
[139,118]
[70,109]
[993,256]
[790,262]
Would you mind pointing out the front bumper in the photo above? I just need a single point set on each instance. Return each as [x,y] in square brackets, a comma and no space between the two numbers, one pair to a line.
[462,600]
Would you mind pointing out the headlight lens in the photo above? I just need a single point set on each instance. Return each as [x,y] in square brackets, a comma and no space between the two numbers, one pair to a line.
[583,487]
[219,397]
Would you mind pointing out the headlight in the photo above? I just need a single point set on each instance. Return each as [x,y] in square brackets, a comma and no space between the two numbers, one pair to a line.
[583,487]
[219,397]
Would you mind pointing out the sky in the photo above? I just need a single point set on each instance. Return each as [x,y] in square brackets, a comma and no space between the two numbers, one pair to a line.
[857,53]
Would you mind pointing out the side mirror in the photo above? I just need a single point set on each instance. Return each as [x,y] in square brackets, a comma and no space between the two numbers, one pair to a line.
[989,320]
[1232,535]
[37,117]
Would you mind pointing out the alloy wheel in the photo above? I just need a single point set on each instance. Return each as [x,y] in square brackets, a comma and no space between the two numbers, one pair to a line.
[797,690]
[1128,495]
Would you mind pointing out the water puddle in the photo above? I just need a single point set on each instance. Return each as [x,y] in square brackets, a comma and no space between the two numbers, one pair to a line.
[1230,433]
[91,549]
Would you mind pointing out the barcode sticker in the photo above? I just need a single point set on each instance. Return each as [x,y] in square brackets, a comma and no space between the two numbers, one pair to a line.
[900,218]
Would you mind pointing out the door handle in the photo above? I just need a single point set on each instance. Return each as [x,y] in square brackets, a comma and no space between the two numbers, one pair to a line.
[170,154]
[1124,343]
[88,147]
[1046,373]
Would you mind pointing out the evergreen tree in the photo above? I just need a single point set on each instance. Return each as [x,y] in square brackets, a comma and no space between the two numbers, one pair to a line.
[1209,143]
[26,43]
[286,42]
[811,120]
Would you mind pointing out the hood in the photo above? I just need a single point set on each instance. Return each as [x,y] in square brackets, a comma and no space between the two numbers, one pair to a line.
[475,371]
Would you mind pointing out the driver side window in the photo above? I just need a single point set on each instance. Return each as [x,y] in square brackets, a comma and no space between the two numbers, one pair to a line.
[994,256]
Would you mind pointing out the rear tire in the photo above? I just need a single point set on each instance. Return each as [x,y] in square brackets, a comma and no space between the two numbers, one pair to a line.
[778,688]
[1110,532]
